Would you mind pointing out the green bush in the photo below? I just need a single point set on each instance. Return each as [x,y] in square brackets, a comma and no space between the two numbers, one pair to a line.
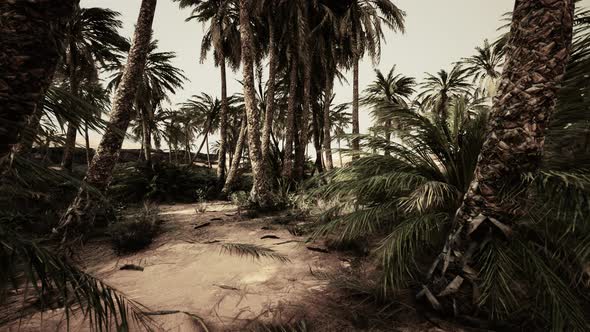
[136,232]
[133,182]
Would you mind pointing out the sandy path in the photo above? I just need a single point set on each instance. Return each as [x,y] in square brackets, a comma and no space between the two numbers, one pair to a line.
[184,271]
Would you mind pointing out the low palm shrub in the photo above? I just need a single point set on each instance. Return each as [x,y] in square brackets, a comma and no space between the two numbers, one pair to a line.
[407,198]
[135,232]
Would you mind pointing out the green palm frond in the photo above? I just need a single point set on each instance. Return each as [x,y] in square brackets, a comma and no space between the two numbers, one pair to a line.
[254,251]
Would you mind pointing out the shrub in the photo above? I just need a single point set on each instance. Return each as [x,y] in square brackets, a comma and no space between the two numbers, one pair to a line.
[133,182]
[136,232]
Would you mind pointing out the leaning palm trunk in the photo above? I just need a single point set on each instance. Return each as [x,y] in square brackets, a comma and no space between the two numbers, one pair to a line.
[260,194]
[327,124]
[235,163]
[538,52]
[270,94]
[101,168]
[290,125]
[30,35]
[221,169]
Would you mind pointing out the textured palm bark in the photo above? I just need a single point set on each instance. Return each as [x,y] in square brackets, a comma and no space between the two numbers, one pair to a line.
[300,154]
[290,125]
[235,162]
[260,193]
[81,211]
[327,124]
[270,93]
[355,109]
[30,48]
[221,157]
[537,54]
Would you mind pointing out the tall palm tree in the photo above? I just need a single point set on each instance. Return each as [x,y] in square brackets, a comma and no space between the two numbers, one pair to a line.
[362,25]
[439,89]
[99,174]
[537,55]
[260,194]
[387,94]
[485,66]
[159,79]
[223,37]
[30,47]
[92,41]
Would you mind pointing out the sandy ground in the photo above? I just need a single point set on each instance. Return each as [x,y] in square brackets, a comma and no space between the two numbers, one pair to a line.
[186,270]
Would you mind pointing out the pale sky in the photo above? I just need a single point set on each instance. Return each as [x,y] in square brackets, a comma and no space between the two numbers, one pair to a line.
[438,33]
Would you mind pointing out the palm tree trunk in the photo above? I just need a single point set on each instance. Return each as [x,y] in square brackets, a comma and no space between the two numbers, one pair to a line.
[270,93]
[317,139]
[538,52]
[290,125]
[221,168]
[340,153]
[147,137]
[70,145]
[355,109]
[207,145]
[327,125]
[83,207]
[260,194]
[87,141]
[28,58]
[300,153]
[235,163]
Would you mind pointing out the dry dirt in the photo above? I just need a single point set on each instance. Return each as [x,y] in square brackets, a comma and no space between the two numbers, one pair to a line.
[187,270]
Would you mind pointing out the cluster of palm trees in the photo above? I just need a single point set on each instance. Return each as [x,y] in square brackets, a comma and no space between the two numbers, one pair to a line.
[459,178]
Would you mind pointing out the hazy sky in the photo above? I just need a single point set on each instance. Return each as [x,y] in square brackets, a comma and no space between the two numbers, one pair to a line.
[438,33]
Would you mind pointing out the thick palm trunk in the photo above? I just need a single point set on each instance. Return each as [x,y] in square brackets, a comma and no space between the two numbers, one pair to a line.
[81,211]
[538,52]
[355,109]
[270,93]
[208,154]
[30,47]
[221,168]
[235,163]
[260,194]
[260,189]
[290,125]
[327,124]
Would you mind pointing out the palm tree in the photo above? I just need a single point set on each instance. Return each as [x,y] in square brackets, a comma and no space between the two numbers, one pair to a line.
[30,49]
[339,122]
[537,55]
[260,194]
[439,89]
[362,27]
[101,168]
[224,37]
[387,94]
[92,40]
[159,79]
[485,66]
